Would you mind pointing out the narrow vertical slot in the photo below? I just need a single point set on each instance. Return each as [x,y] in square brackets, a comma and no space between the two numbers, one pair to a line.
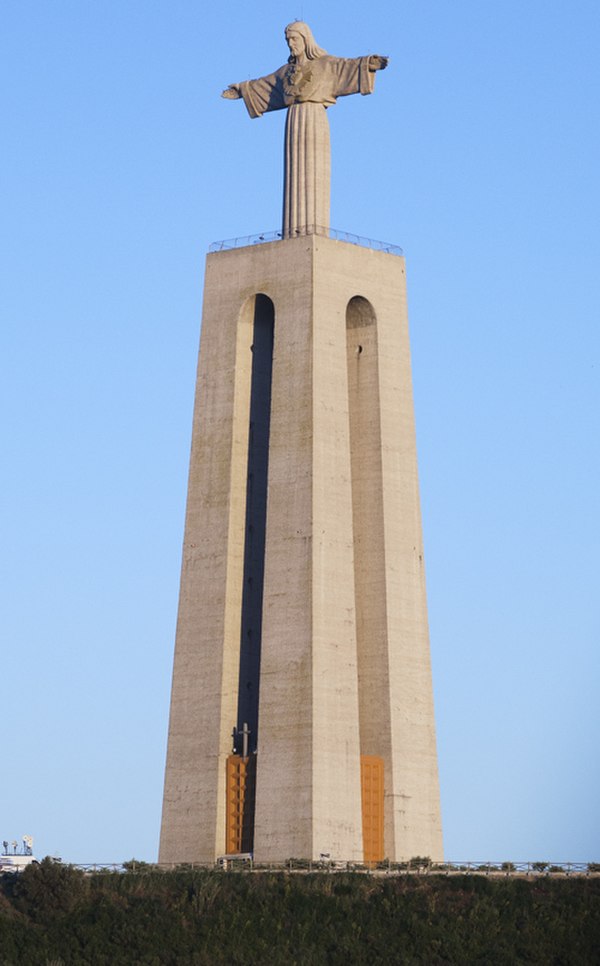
[256,519]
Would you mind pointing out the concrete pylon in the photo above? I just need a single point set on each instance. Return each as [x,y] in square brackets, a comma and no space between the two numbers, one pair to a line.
[302,609]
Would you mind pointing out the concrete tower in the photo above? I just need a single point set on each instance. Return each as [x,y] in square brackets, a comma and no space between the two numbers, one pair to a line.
[301,712]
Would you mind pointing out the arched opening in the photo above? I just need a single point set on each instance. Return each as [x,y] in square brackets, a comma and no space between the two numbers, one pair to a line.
[255,365]
[369,560]
[261,348]
[359,312]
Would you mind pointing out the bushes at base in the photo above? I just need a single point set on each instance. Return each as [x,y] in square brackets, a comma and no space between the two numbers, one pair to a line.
[204,918]
[47,889]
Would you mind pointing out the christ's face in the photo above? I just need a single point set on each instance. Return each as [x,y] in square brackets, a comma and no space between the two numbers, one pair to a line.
[295,43]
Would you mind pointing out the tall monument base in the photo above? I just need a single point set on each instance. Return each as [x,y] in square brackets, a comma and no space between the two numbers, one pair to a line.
[301,714]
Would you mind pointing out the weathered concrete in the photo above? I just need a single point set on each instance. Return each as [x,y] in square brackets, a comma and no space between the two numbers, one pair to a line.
[344,665]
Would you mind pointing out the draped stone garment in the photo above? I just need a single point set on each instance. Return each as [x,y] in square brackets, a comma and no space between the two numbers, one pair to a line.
[307,89]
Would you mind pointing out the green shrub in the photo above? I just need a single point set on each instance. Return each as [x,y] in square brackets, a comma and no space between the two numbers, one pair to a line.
[48,889]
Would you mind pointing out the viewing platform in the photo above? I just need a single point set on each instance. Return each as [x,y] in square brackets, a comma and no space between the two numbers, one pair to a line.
[270,236]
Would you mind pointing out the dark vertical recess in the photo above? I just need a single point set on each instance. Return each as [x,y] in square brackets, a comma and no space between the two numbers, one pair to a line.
[256,519]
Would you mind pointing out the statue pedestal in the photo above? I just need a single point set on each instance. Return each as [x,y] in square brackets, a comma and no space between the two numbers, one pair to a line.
[302,608]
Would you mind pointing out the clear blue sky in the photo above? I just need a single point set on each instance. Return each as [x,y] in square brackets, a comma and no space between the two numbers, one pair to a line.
[479,154]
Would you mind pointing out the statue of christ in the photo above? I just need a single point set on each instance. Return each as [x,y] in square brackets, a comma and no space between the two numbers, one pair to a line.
[310,82]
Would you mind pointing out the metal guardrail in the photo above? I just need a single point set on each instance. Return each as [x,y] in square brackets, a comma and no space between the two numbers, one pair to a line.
[306,866]
[272,236]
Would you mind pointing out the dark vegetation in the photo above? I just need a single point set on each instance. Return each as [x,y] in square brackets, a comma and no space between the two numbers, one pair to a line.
[54,915]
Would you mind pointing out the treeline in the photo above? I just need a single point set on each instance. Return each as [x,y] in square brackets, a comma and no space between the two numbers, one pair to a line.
[54,915]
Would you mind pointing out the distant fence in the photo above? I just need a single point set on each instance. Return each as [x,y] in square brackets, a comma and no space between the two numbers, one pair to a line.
[306,866]
[264,237]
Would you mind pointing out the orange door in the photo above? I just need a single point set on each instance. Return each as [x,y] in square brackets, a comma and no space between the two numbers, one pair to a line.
[239,832]
[371,773]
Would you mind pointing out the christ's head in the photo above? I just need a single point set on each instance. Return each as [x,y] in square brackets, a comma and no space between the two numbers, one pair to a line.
[301,42]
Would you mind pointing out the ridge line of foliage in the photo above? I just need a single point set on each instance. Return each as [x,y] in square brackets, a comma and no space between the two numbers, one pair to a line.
[55,915]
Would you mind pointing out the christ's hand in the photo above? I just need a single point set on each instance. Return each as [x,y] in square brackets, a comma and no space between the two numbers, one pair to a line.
[377,62]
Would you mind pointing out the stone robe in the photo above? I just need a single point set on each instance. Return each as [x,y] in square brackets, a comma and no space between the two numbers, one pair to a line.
[307,89]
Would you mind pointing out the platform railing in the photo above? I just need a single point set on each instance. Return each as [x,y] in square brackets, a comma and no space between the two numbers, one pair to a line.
[264,237]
